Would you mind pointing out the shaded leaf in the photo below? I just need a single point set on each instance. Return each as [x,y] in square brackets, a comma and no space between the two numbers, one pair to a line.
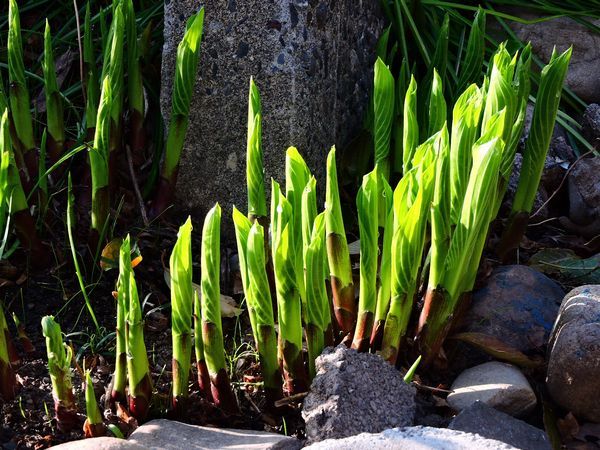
[496,348]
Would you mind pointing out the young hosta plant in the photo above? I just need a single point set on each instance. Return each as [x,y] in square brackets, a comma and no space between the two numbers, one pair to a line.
[251,250]
[410,130]
[90,78]
[386,217]
[367,202]
[536,148]
[255,178]
[408,240]
[8,381]
[319,331]
[297,176]
[54,102]
[260,301]
[14,196]
[59,367]
[182,300]
[340,269]
[94,425]
[138,370]
[119,381]
[19,100]
[383,108]
[186,65]
[212,332]
[448,281]
[288,294]
[202,368]
[99,155]
[135,87]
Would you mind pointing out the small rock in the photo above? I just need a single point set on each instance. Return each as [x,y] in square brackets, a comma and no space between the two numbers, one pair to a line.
[100,443]
[499,385]
[493,424]
[518,305]
[591,122]
[413,438]
[171,435]
[574,354]
[355,393]
[584,193]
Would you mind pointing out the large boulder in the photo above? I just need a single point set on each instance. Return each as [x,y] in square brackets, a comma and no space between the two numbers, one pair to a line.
[584,70]
[574,354]
[355,393]
[518,306]
[312,61]
[413,438]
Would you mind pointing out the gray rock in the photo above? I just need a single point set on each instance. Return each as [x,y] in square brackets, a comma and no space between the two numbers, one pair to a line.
[413,438]
[584,194]
[591,122]
[100,443]
[518,305]
[165,434]
[499,385]
[492,424]
[355,393]
[312,61]
[584,70]
[574,354]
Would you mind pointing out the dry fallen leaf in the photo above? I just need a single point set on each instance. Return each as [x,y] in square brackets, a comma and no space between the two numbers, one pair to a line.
[229,307]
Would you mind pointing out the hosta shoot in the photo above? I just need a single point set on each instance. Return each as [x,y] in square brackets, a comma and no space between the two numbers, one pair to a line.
[408,240]
[54,102]
[318,315]
[59,367]
[201,367]
[212,332]
[182,301]
[258,297]
[367,202]
[99,156]
[138,370]
[536,148]
[342,286]
[410,130]
[19,97]
[135,87]
[7,376]
[259,301]
[449,282]
[383,108]
[94,425]
[288,293]
[255,177]
[90,76]
[186,65]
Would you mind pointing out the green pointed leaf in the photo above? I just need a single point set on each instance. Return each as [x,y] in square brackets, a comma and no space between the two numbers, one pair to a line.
[383,100]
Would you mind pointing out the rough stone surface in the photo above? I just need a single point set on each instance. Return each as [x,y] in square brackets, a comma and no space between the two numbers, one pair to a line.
[355,393]
[584,70]
[492,424]
[312,61]
[584,194]
[518,305]
[499,385]
[574,354]
[101,443]
[413,438]
[591,122]
[170,435]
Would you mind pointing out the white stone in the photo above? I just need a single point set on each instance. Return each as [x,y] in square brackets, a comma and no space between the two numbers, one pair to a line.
[499,385]
[413,438]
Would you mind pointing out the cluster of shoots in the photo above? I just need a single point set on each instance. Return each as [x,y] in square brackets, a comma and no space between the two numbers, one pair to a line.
[424,237]
[114,102]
